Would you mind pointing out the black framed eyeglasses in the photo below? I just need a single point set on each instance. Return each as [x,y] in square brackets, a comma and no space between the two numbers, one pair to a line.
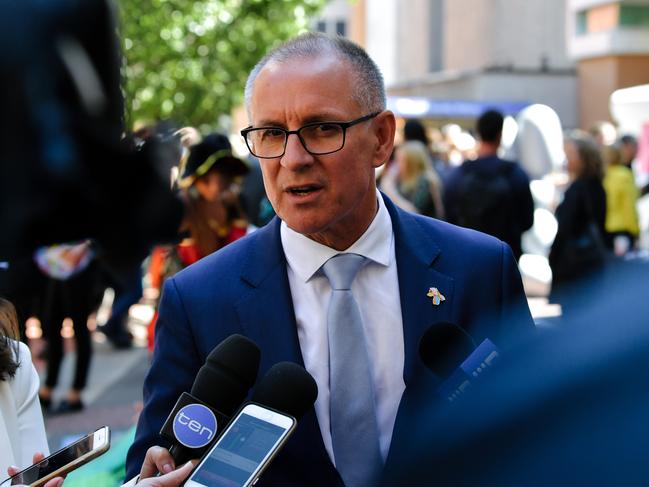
[317,138]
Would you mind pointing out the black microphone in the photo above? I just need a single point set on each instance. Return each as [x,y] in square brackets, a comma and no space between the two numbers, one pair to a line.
[443,348]
[288,388]
[450,353]
[220,387]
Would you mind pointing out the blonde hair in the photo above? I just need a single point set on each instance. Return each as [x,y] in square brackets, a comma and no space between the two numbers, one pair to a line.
[418,163]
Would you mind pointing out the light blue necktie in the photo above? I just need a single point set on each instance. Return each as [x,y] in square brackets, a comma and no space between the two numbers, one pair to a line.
[354,429]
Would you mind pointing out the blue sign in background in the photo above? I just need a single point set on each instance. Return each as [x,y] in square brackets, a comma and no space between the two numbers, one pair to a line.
[194,425]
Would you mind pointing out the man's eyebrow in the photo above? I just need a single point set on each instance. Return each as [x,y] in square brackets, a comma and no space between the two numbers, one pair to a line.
[267,123]
[323,117]
[313,118]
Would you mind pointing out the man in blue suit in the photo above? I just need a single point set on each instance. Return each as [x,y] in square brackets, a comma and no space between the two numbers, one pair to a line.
[320,129]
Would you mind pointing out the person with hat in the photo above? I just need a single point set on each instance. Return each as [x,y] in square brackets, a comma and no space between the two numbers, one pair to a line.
[209,182]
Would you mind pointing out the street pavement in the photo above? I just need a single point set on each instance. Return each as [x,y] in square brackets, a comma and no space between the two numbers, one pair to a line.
[113,395]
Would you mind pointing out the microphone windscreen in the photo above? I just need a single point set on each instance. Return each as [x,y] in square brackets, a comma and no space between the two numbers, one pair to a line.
[288,388]
[444,347]
[228,374]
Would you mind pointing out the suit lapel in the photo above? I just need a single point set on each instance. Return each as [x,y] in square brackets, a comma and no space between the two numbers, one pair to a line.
[266,311]
[416,253]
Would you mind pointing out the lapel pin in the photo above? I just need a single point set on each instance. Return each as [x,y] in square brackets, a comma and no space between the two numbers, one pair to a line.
[438,297]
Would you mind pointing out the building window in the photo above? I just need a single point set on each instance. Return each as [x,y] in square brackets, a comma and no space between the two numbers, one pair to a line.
[581,27]
[321,26]
[634,15]
[341,27]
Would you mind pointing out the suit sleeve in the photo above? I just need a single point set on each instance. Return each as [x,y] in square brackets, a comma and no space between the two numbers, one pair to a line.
[516,321]
[175,363]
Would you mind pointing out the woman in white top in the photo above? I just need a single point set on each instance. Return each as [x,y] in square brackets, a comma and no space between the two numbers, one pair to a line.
[22,432]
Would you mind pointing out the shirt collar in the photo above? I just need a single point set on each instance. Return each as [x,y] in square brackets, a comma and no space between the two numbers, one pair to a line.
[305,256]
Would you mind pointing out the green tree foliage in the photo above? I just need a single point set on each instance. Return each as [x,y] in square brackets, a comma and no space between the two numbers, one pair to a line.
[189,59]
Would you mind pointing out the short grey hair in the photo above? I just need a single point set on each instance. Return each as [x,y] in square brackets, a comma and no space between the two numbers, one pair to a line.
[369,90]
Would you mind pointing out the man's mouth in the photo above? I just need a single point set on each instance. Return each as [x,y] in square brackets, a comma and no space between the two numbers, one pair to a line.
[303,190]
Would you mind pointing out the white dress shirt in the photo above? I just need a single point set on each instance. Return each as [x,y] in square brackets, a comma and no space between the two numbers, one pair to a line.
[376,289]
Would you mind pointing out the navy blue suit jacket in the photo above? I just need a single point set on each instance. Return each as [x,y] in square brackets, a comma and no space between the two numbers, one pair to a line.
[244,289]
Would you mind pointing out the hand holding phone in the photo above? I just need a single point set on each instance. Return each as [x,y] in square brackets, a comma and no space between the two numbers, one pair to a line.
[38,456]
[45,472]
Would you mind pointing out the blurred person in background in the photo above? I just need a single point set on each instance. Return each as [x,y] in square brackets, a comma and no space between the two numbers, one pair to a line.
[72,291]
[416,186]
[578,248]
[491,194]
[413,129]
[603,133]
[253,195]
[210,183]
[628,149]
[622,227]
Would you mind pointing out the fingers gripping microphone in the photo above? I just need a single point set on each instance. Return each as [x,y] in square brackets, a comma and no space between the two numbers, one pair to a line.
[221,385]
[449,352]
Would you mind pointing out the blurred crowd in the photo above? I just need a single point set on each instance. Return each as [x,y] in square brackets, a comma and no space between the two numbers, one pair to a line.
[568,198]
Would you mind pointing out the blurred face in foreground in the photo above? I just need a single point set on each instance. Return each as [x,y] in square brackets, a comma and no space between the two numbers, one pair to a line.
[330,198]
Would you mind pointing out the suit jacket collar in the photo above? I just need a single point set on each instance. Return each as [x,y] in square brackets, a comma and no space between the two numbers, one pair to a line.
[416,253]
[267,311]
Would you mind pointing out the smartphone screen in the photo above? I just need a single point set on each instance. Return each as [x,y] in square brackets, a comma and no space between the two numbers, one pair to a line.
[96,442]
[239,455]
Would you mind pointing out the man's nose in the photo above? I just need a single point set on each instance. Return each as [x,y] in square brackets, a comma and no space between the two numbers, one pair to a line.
[295,156]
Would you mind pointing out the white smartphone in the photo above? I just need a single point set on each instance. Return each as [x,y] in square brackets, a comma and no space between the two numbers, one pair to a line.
[63,461]
[245,448]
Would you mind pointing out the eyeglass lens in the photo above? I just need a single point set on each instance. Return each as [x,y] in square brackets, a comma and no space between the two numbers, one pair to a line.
[317,139]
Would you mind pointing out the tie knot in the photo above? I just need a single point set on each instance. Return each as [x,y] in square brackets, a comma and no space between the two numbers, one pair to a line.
[341,270]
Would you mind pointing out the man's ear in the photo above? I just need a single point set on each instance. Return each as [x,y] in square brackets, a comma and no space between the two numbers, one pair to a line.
[384,130]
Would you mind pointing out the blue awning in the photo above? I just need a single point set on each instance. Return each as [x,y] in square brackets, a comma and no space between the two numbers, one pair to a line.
[409,107]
